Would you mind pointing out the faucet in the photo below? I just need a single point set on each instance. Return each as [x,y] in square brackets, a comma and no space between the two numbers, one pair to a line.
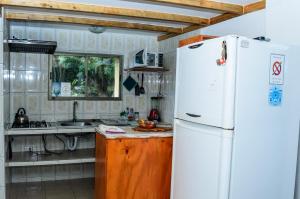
[75,104]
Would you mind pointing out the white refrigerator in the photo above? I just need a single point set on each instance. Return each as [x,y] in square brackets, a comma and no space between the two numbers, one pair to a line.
[236,120]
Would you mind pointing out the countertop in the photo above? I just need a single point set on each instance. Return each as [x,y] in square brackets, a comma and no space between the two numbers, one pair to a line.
[130,133]
[56,129]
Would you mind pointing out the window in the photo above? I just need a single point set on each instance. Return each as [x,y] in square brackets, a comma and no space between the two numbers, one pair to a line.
[82,76]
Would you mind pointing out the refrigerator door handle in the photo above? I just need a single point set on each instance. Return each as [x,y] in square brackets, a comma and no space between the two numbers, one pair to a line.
[192,115]
[195,46]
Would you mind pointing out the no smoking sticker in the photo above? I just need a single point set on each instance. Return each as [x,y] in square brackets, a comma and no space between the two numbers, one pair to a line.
[277,69]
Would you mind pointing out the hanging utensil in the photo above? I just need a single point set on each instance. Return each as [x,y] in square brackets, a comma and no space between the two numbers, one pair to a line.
[160,82]
[137,87]
[142,89]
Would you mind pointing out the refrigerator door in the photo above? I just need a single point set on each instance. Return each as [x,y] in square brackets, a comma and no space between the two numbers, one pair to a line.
[201,161]
[204,88]
[266,133]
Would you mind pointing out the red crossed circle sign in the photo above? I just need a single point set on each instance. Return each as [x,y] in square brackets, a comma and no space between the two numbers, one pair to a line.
[277,68]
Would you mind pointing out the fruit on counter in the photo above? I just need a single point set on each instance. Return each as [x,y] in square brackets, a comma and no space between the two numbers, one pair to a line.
[146,124]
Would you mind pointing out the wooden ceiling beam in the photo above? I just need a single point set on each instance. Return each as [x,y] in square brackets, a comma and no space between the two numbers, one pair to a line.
[255,6]
[86,21]
[205,4]
[221,18]
[184,30]
[106,10]
[218,19]
[247,9]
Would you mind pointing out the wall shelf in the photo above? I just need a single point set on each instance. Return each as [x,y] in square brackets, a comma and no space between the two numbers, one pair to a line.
[146,69]
[21,159]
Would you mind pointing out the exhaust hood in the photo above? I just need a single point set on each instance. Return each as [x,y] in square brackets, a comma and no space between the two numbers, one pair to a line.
[32,46]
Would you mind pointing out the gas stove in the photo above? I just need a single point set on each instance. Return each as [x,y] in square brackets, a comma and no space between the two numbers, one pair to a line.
[33,124]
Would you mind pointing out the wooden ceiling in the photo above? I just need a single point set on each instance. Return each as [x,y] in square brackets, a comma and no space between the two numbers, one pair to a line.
[189,23]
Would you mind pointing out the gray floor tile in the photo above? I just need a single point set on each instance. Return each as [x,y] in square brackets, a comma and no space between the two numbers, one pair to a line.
[67,189]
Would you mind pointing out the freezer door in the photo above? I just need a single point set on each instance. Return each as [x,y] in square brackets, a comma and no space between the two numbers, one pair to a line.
[201,161]
[205,89]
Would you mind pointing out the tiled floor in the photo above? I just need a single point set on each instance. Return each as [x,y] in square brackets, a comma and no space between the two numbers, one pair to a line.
[70,189]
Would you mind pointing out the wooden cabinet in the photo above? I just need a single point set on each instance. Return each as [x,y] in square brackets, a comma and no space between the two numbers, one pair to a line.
[194,39]
[133,168]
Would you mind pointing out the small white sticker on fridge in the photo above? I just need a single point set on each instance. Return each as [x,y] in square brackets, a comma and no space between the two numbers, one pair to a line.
[277,64]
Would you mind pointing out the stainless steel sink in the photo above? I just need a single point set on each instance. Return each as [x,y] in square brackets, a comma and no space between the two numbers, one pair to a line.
[75,124]
[80,123]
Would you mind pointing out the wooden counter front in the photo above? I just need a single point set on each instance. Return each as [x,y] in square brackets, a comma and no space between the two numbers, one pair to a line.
[133,168]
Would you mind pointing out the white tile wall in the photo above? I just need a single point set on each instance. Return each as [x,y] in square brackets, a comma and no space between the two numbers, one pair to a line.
[48,34]
[2,192]
[2,151]
[4,106]
[17,81]
[33,106]
[76,171]
[17,29]
[33,81]
[33,31]
[91,42]
[62,172]
[33,174]
[17,61]
[2,172]
[5,81]
[18,174]
[48,173]
[44,62]
[103,107]
[30,71]
[33,61]
[29,87]
[63,40]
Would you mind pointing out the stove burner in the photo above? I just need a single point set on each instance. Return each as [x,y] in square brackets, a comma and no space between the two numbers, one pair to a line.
[14,125]
[32,124]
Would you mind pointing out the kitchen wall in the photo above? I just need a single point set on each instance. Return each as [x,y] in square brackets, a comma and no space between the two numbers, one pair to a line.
[2,151]
[29,86]
[250,25]
[282,27]
[6,102]
[29,72]
[281,21]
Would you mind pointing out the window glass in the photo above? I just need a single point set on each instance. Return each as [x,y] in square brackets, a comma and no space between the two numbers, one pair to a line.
[85,76]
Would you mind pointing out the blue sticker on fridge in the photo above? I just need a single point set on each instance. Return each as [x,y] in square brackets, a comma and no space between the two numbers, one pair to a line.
[275,95]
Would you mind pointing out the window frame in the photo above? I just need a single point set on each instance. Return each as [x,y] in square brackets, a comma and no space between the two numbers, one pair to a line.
[50,66]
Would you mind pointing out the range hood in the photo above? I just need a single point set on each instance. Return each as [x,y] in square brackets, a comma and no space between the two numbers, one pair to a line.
[32,46]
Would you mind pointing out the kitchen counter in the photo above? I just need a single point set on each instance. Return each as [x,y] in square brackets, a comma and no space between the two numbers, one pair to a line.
[130,133]
[55,129]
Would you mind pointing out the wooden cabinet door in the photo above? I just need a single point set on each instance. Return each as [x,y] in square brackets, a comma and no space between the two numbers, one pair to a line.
[140,170]
[100,167]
